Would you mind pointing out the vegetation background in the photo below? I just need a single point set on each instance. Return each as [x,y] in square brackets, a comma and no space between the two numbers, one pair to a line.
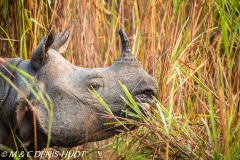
[191,47]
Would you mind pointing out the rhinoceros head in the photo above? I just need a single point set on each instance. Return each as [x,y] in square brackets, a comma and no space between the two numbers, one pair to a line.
[75,118]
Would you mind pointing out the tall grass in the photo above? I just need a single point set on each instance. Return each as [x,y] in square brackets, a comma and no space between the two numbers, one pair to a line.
[190,47]
[39,95]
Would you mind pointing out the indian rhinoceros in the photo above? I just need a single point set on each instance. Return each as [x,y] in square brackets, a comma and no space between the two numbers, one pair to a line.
[74,108]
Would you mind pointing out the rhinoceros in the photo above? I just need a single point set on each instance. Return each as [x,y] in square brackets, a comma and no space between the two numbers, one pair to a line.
[67,87]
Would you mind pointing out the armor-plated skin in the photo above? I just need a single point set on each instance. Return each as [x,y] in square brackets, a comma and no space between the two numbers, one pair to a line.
[74,108]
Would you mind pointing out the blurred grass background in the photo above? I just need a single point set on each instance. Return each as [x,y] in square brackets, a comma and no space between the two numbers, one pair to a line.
[190,47]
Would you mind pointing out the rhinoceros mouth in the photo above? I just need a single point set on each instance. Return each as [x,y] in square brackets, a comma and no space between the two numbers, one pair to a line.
[145,96]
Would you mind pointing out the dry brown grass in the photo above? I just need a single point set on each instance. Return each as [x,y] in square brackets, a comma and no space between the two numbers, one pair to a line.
[190,47]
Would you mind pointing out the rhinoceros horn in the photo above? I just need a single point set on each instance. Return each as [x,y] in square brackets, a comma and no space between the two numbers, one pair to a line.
[126,55]
[125,43]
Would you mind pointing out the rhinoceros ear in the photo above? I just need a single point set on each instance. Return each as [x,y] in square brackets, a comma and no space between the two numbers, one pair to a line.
[40,53]
[62,39]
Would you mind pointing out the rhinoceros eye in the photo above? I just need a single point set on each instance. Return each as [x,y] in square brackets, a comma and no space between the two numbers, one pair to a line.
[95,86]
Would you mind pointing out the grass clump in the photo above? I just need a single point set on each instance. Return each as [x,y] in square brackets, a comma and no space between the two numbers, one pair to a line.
[190,47]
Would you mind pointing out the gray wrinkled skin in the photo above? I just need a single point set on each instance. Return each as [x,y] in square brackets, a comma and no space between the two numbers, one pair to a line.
[74,109]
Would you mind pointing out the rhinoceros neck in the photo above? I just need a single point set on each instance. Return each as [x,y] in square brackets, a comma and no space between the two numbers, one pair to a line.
[9,73]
